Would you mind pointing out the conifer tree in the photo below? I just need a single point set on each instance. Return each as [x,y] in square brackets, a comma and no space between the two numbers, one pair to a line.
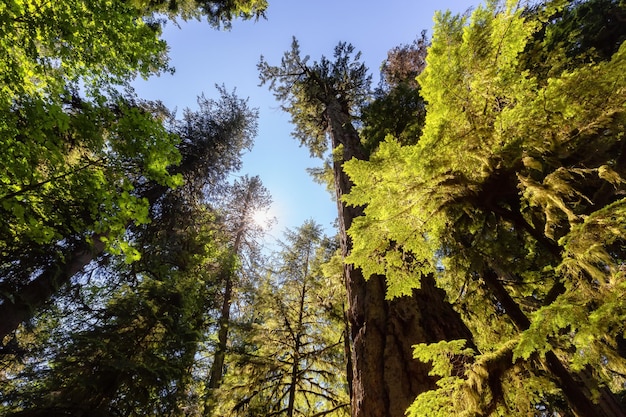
[396,108]
[292,360]
[512,168]
[80,148]
[124,341]
[246,197]
[323,99]
[95,176]
[210,140]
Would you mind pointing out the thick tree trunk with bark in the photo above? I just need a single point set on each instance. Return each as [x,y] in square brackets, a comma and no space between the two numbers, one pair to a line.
[385,379]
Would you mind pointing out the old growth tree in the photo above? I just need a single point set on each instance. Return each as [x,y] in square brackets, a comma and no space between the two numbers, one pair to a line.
[513,197]
[323,99]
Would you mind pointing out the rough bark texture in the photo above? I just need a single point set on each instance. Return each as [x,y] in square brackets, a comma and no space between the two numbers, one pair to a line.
[385,379]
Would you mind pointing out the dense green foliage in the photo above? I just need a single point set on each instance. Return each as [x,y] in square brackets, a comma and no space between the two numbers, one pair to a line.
[490,162]
[71,129]
[109,252]
[127,338]
[397,107]
[325,99]
[133,329]
[513,197]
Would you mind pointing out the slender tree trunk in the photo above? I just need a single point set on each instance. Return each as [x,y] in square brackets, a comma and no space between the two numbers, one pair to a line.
[295,369]
[385,379]
[34,295]
[216,373]
[40,290]
[217,368]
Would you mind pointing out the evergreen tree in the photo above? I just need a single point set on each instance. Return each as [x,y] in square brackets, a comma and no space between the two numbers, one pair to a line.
[80,149]
[130,353]
[293,361]
[512,168]
[127,343]
[397,108]
[246,197]
[210,141]
[323,99]
[76,187]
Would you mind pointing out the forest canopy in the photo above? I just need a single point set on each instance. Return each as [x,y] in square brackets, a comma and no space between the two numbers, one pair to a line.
[478,267]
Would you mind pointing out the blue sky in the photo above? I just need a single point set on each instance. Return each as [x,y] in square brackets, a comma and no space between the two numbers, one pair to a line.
[203,57]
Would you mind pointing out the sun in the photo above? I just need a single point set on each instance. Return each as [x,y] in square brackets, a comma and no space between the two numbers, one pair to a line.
[264,218]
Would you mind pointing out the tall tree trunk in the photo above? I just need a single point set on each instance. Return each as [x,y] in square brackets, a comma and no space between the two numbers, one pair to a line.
[295,368]
[27,300]
[217,368]
[385,379]
[216,373]
[34,295]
